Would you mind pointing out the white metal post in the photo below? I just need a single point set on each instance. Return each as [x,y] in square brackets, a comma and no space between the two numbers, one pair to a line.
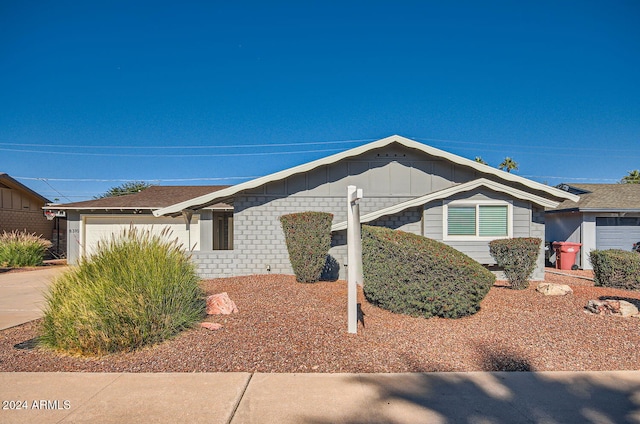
[354,256]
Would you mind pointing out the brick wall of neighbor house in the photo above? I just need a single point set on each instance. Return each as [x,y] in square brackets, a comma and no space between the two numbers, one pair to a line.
[19,211]
[31,221]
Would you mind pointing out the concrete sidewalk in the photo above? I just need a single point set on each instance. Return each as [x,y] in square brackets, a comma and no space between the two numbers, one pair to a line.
[477,397]
[22,294]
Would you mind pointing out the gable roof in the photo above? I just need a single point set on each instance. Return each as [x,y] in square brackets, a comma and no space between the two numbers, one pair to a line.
[6,180]
[448,192]
[207,199]
[602,198]
[152,197]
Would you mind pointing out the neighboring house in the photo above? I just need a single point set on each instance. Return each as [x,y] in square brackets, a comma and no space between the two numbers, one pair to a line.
[407,185]
[21,209]
[607,216]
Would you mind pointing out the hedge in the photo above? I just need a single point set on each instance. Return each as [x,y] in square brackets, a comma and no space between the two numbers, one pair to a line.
[616,268]
[409,274]
[308,238]
[517,257]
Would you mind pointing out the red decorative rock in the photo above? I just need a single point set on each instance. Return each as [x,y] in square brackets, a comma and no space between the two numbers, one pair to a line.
[211,325]
[220,304]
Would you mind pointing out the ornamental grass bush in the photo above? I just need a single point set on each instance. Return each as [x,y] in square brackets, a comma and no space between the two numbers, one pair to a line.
[616,268]
[410,274]
[19,248]
[137,289]
[308,238]
[517,257]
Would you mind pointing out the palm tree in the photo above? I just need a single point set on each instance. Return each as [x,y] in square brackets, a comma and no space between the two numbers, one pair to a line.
[508,164]
[632,178]
[480,160]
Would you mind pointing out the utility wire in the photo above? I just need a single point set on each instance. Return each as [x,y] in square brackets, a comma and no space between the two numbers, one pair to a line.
[133,179]
[172,155]
[54,189]
[235,146]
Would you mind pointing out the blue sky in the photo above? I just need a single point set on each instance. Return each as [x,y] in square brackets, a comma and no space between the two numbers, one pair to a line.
[96,93]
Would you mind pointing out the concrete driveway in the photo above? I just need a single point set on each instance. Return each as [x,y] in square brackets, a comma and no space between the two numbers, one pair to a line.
[22,294]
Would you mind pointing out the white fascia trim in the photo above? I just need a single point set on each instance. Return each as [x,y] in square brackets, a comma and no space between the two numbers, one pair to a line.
[205,200]
[112,208]
[125,208]
[447,192]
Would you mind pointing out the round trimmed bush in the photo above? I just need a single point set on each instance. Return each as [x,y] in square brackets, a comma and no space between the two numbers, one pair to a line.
[410,274]
[137,289]
[616,268]
[517,257]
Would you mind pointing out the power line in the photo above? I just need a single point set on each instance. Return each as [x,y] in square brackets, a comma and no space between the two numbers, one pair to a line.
[252,146]
[570,178]
[235,146]
[572,152]
[530,146]
[134,179]
[54,189]
[171,156]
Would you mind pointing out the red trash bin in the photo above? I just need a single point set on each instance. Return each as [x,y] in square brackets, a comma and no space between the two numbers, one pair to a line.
[566,253]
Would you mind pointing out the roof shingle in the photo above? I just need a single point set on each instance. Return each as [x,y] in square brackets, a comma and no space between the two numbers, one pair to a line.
[604,197]
[153,197]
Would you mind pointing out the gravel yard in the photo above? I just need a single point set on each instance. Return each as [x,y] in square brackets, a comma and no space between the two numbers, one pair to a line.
[284,326]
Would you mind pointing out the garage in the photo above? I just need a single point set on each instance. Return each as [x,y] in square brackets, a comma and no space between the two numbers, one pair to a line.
[617,232]
[102,227]
[607,216]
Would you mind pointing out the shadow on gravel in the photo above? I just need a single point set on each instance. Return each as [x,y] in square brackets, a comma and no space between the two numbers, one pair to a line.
[634,302]
[498,397]
[28,344]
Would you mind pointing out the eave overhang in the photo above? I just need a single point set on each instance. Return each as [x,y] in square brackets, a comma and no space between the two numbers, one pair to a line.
[448,192]
[214,197]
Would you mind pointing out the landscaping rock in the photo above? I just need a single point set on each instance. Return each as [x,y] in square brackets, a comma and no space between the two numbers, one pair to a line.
[211,325]
[612,307]
[220,304]
[551,289]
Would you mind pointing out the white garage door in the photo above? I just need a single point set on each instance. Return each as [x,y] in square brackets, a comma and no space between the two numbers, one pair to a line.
[103,227]
[617,233]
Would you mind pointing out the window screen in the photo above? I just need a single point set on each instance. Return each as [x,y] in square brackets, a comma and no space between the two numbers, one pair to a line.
[493,220]
[461,220]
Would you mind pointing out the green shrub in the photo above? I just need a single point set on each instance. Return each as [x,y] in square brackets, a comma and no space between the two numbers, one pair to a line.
[308,238]
[409,274]
[137,289]
[19,248]
[616,268]
[517,257]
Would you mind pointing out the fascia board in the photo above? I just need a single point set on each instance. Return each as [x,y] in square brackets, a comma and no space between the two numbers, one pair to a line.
[121,208]
[96,208]
[204,200]
[609,210]
[447,192]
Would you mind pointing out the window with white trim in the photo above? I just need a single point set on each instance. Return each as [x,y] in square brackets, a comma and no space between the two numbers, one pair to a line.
[477,220]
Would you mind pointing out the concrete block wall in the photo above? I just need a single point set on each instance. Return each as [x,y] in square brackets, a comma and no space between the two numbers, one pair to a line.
[259,245]
[409,221]
[33,221]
